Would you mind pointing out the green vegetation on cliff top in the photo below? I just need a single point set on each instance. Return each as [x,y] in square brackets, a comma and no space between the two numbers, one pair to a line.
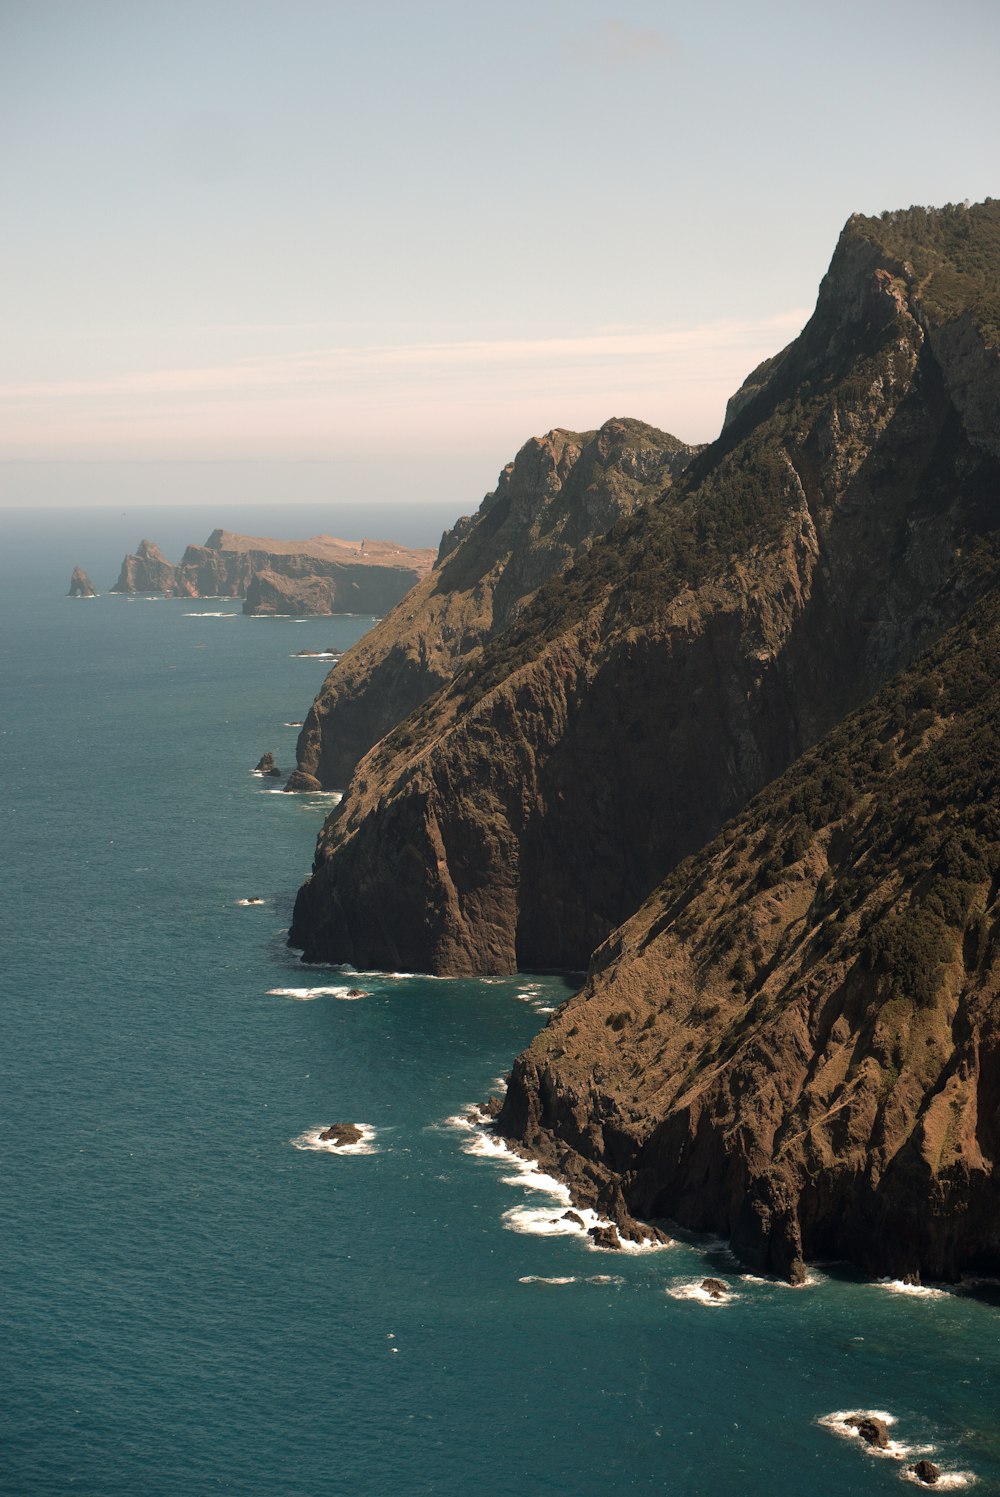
[954,253]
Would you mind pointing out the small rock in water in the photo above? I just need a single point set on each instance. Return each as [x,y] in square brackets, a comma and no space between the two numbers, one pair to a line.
[355,992]
[266,765]
[572,1216]
[606,1237]
[342,1133]
[872,1430]
[80,585]
[927,1472]
[715,1288]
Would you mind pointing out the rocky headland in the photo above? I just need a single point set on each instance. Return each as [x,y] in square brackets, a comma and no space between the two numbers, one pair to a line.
[320,576]
[561,492]
[789,1032]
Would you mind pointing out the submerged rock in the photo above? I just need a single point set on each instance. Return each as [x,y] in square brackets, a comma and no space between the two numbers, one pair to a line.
[715,1288]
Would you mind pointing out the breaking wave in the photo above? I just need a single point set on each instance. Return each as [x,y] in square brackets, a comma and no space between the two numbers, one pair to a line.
[691,1289]
[306,995]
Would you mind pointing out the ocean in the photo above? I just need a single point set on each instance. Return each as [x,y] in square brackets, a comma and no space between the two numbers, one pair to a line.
[196,1295]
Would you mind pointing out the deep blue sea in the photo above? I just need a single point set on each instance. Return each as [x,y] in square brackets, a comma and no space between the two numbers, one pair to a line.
[195,1298]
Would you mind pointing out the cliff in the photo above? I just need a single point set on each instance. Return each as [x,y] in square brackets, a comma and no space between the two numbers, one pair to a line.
[323,575]
[645,693]
[796,1040]
[270,593]
[148,571]
[80,585]
[559,494]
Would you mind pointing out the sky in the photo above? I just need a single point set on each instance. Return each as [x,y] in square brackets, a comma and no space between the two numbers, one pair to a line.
[350,252]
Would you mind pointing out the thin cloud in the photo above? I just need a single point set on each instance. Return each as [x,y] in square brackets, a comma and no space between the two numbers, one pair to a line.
[324,400]
[616,42]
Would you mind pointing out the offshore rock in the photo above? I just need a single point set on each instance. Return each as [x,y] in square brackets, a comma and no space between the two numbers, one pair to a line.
[80,585]
[266,765]
[148,571]
[647,691]
[559,494]
[342,1133]
[871,1429]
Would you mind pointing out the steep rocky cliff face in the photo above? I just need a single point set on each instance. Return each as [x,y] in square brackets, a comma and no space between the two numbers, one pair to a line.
[270,593]
[321,575]
[559,494]
[148,571]
[642,696]
[796,1040]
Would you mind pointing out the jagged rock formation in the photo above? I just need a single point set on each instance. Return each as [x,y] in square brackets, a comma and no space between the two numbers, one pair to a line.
[148,571]
[796,1040]
[80,585]
[559,494]
[321,575]
[646,693]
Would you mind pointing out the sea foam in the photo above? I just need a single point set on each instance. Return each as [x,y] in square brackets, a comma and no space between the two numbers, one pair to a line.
[918,1291]
[481,1142]
[691,1289]
[306,995]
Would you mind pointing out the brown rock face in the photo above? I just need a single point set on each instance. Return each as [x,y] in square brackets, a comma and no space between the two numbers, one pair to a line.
[80,585]
[871,1429]
[270,593]
[148,571]
[342,1133]
[796,1040]
[559,494]
[648,691]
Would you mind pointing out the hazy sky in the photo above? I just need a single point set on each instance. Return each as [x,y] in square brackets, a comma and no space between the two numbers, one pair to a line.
[363,251]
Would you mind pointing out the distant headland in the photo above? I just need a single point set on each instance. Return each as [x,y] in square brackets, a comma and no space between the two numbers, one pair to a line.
[322,575]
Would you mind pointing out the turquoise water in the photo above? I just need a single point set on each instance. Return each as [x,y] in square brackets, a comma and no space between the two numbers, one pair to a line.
[190,1302]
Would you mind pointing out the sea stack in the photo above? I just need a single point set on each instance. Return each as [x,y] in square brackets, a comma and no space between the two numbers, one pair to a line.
[80,585]
[148,571]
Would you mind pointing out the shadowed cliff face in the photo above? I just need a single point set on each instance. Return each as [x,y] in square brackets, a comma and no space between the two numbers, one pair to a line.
[796,1040]
[559,494]
[644,695]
